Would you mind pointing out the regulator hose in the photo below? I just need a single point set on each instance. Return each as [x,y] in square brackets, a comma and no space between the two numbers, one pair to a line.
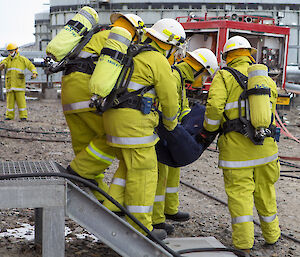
[107,196]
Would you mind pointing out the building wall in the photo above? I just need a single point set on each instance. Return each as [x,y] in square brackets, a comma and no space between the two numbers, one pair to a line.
[151,11]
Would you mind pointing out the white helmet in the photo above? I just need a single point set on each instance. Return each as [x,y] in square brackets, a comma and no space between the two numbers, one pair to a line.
[237,42]
[135,20]
[168,31]
[207,58]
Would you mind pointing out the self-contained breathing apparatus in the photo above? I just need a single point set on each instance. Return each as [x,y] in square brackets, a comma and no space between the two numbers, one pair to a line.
[119,97]
[71,63]
[256,124]
[72,33]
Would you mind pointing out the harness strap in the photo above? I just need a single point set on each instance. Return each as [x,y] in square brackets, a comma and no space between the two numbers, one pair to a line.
[182,84]
[84,65]
[135,101]
[116,55]
[77,26]
[259,91]
[238,126]
[239,77]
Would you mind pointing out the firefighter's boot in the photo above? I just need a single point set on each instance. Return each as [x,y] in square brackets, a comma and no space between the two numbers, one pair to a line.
[179,216]
[70,171]
[161,234]
[167,227]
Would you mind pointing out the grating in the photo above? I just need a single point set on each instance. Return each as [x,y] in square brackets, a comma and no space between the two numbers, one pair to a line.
[23,167]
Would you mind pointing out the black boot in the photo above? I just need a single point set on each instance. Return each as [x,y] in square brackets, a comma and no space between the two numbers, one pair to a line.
[179,216]
[161,234]
[70,171]
[167,227]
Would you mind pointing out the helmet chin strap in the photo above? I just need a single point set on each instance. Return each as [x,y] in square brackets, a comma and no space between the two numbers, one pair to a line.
[169,52]
[198,72]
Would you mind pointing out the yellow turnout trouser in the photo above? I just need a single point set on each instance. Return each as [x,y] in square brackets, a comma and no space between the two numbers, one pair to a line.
[160,195]
[134,183]
[166,198]
[241,186]
[11,98]
[172,198]
[92,154]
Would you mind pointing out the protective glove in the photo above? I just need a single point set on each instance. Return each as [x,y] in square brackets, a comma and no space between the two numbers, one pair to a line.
[205,138]
[34,76]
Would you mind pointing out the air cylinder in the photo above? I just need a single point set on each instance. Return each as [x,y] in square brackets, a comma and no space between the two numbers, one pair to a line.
[108,68]
[259,104]
[71,34]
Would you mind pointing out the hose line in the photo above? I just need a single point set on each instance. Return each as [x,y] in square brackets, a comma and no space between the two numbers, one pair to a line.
[107,196]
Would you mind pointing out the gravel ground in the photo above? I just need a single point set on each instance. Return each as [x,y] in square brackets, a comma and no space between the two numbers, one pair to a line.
[208,216]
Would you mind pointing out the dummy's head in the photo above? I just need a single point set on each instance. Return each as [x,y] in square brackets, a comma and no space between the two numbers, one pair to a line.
[133,23]
[12,49]
[237,46]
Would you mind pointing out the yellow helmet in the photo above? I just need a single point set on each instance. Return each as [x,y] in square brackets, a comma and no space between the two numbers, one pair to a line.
[12,47]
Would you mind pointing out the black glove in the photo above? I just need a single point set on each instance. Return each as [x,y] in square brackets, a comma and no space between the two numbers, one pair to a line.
[205,137]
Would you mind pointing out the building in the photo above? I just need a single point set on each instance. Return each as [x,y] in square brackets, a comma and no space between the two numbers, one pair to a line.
[48,25]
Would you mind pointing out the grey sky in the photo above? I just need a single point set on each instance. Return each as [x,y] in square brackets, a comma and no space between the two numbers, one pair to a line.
[17,20]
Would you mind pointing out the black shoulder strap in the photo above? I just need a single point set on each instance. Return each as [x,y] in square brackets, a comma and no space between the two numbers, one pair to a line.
[117,95]
[239,77]
[182,83]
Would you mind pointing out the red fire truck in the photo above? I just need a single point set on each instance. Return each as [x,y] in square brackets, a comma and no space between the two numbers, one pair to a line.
[270,40]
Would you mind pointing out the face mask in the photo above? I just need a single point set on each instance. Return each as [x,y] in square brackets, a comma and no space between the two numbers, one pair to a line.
[13,54]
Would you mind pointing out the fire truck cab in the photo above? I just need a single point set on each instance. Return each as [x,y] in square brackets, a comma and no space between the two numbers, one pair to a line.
[270,40]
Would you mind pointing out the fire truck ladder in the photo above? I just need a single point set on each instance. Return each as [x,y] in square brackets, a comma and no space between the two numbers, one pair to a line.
[54,198]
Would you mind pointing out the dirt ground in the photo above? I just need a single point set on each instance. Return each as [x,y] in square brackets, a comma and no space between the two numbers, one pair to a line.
[208,217]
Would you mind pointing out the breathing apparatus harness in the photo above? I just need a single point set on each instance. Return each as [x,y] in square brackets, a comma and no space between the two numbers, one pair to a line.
[182,84]
[243,123]
[71,62]
[119,97]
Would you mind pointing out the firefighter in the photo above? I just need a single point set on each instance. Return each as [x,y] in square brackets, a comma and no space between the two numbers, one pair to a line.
[131,132]
[92,154]
[196,65]
[249,170]
[15,65]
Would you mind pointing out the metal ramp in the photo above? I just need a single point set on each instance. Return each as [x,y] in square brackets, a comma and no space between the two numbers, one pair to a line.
[53,198]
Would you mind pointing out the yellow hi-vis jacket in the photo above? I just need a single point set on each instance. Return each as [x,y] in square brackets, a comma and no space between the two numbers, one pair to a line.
[130,128]
[15,67]
[187,75]
[75,95]
[236,150]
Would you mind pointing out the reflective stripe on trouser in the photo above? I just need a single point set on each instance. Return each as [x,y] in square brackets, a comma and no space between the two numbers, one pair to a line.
[172,198]
[241,186]
[140,170]
[11,98]
[117,187]
[158,215]
[92,154]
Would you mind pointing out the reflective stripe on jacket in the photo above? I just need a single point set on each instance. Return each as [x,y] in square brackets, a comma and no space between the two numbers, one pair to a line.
[15,67]
[236,150]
